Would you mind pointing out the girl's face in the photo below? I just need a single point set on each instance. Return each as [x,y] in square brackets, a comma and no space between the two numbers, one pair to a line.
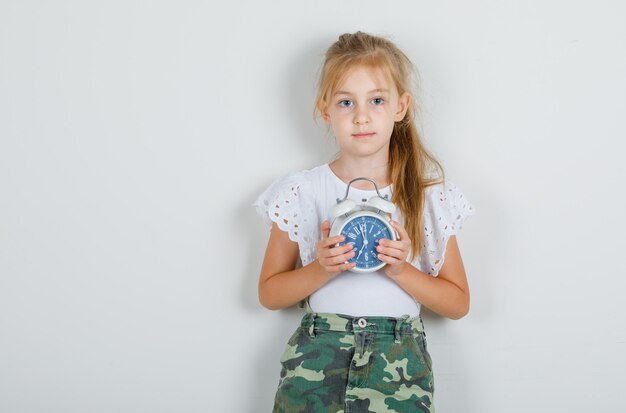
[362,112]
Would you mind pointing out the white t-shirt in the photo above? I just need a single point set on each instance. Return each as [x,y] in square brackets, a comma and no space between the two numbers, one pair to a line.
[301,201]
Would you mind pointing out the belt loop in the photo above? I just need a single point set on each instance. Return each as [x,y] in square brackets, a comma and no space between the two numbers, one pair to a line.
[306,306]
[310,315]
[312,325]
[399,322]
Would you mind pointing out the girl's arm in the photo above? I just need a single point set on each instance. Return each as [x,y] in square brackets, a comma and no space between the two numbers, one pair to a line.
[281,285]
[448,293]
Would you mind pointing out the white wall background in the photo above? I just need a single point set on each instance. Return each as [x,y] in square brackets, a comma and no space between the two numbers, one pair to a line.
[134,136]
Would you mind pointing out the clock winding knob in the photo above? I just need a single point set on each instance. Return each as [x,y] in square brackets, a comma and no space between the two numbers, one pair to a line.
[342,207]
[382,204]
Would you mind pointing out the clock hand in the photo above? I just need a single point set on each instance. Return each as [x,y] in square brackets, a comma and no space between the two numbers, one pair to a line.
[360,251]
[364,230]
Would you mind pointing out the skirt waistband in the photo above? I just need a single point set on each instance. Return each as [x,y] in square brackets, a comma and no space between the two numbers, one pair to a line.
[346,323]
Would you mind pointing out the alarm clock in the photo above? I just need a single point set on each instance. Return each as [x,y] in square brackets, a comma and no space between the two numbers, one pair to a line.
[363,225]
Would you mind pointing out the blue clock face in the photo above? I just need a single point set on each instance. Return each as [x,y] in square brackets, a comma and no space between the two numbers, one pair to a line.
[364,232]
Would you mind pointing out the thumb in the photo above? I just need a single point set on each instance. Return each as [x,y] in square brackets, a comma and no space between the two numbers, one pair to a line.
[325,227]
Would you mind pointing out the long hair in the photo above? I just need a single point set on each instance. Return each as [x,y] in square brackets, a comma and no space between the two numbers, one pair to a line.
[412,167]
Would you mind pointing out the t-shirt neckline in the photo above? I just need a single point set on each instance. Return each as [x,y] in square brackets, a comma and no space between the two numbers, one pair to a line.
[352,188]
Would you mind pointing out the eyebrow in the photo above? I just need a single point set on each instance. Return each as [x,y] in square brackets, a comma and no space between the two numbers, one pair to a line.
[341,92]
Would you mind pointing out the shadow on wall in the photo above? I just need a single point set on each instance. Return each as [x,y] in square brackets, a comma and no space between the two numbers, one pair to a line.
[277,325]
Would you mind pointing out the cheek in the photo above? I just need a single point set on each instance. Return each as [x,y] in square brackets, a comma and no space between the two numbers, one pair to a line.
[339,113]
[383,114]
[340,120]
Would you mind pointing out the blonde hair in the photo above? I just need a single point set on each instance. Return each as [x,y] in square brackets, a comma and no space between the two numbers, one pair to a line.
[411,165]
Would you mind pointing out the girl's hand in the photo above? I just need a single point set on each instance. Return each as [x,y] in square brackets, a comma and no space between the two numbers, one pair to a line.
[331,258]
[394,253]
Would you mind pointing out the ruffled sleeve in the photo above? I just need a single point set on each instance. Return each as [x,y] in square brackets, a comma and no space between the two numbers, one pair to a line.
[286,202]
[445,212]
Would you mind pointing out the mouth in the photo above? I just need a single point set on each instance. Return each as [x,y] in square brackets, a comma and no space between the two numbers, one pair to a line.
[363,134]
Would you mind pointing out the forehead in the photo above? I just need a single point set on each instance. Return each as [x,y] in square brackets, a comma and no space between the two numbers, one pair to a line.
[367,78]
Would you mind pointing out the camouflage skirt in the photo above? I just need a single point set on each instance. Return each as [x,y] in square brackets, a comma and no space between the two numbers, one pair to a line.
[337,363]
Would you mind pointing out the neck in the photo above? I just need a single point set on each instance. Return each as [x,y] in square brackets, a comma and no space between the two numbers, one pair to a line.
[347,168]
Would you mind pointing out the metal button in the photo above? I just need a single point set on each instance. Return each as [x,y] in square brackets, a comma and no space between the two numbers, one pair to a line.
[362,322]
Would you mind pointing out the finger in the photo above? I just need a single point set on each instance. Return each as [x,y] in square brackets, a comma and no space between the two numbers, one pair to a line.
[341,259]
[327,253]
[346,267]
[325,227]
[387,243]
[391,252]
[401,232]
[332,241]
[343,267]
[388,260]
[329,260]
[340,250]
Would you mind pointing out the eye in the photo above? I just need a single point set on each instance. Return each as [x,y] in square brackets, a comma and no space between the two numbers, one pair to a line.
[345,103]
[378,101]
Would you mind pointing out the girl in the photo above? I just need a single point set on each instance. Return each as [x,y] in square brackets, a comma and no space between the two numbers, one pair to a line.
[361,345]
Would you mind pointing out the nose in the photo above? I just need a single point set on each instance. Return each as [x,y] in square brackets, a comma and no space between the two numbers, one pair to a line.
[361,116]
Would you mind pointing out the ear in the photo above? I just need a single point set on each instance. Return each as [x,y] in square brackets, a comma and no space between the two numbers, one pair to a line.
[403,105]
[323,110]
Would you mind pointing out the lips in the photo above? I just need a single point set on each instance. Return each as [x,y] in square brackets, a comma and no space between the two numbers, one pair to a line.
[363,134]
